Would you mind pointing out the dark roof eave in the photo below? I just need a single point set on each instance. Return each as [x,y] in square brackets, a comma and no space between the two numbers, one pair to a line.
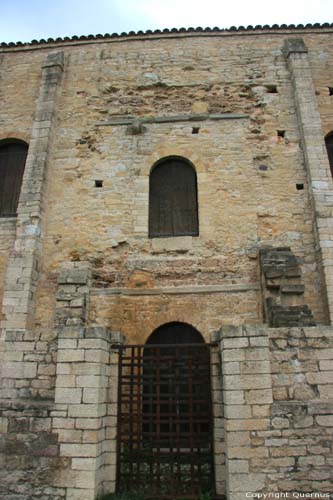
[172,31]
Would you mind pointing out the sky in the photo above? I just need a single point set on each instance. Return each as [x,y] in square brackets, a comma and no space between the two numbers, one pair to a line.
[25,20]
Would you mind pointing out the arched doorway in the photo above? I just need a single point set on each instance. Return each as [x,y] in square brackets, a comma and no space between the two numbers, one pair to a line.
[165,405]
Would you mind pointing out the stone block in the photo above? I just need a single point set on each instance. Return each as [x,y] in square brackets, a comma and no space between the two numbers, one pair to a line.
[325,391]
[94,343]
[247,482]
[88,423]
[311,461]
[261,410]
[3,425]
[64,343]
[325,377]
[325,365]
[70,355]
[91,381]
[253,367]
[63,423]
[234,397]
[69,396]
[238,466]
[246,453]
[80,494]
[86,410]
[97,356]
[231,368]
[231,331]
[234,343]
[94,395]
[237,411]
[288,451]
[70,436]
[19,370]
[239,438]
[89,369]
[84,464]
[257,353]
[325,420]
[243,382]
[247,425]
[180,244]
[232,355]
[259,341]
[79,450]
[259,396]
[280,423]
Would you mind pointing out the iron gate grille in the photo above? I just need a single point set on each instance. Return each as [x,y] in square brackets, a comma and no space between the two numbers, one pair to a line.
[164,420]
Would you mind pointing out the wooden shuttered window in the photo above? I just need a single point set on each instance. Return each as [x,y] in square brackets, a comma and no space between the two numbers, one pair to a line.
[329,147]
[12,162]
[173,202]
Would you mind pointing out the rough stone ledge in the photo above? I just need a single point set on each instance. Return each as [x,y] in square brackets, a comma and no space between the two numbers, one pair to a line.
[231,331]
[301,331]
[177,290]
[313,406]
[173,118]
[32,405]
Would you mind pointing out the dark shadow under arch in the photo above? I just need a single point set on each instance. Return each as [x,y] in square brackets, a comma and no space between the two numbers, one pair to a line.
[175,333]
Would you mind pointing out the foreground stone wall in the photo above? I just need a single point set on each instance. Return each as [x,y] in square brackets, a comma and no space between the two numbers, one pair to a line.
[277,401]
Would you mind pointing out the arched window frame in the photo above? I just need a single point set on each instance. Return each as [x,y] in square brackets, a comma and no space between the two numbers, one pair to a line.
[13,154]
[167,213]
[329,149]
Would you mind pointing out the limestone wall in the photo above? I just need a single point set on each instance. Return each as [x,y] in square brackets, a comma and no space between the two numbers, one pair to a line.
[249,111]
[247,195]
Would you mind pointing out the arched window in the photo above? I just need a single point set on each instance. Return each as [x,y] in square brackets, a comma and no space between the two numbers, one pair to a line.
[13,154]
[329,147]
[173,201]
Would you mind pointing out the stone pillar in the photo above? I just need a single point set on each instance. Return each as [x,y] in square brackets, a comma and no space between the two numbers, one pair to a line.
[247,399]
[25,260]
[72,303]
[320,187]
[86,395]
[86,409]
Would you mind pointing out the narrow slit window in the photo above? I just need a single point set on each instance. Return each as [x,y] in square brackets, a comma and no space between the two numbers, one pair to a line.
[173,202]
[329,148]
[13,155]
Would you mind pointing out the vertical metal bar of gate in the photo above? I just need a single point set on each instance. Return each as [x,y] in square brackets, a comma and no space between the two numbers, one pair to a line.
[165,420]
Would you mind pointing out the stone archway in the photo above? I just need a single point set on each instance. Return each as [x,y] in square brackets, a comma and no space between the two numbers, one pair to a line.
[166,423]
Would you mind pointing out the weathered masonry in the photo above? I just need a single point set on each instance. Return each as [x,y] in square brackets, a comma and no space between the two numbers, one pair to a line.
[166,264]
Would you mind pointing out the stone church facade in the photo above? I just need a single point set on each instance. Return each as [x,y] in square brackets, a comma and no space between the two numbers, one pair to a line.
[178,180]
